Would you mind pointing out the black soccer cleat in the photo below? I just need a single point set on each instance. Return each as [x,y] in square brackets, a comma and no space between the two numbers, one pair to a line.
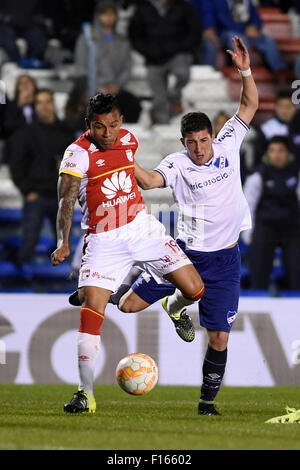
[207,409]
[182,321]
[74,299]
[81,403]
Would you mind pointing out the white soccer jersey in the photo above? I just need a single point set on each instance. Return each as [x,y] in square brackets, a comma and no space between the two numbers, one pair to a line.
[212,207]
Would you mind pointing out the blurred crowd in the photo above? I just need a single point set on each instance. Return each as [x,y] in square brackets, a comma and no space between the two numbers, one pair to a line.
[170,35]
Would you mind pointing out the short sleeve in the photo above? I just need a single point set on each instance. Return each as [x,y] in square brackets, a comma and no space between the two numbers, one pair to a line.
[75,161]
[168,170]
[232,133]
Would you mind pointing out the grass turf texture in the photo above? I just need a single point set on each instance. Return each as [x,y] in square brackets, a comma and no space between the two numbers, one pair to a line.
[32,417]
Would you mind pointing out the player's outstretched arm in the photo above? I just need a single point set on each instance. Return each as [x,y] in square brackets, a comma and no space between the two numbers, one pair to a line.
[148,179]
[249,94]
[68,188]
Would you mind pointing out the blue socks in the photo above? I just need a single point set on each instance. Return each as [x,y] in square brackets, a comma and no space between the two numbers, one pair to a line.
[213,370]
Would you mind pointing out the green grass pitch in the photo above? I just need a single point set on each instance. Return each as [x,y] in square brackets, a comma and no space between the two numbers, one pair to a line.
[32,417]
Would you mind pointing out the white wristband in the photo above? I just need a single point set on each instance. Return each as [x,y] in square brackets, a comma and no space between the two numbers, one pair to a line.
[245,73]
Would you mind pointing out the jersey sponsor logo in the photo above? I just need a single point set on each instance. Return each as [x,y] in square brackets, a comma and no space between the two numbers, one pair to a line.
[126,139]
[212,181]
[221,162]
[100,162]
[96,275]
[70,165]
[111,186]
[118,182]
[231,316]
[129,155]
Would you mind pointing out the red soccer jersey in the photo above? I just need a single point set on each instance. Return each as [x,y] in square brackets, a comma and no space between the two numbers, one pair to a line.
[109,196]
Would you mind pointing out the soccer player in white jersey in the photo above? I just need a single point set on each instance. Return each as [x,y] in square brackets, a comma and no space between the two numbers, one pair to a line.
[206,184]
[98,169]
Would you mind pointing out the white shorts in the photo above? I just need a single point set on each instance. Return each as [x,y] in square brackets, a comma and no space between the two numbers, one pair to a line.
[108,256]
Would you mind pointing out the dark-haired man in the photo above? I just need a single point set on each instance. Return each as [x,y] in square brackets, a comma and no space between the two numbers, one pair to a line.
[35,153]
[98,168]
[285,122]
[273,194]
[205,179]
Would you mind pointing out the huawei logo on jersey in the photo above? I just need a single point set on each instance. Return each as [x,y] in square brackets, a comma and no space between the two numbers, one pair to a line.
[118,182]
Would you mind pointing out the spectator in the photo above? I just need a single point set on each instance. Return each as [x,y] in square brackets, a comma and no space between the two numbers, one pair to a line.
[67,17]
[273,194]
[166,33]
[20,110]
[224,19]
[35,154]
[23,20]
[104,57]
[75,108]
[219,120]
[285,122]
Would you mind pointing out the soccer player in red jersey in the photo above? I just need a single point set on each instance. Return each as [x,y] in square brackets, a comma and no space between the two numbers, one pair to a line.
[98,169]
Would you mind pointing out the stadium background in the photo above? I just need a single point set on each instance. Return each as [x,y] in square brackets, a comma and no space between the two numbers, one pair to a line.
[36,322]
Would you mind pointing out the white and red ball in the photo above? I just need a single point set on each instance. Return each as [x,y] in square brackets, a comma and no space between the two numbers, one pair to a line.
[137,374]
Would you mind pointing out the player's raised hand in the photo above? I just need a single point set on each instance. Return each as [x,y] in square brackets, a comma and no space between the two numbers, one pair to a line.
[239,55]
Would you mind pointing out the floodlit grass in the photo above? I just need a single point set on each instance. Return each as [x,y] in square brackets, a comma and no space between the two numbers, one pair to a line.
[32,417]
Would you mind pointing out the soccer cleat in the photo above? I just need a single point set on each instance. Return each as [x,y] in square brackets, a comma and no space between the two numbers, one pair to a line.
[81,403]
[292,416]
[74,299]
[183,323]
[207,409]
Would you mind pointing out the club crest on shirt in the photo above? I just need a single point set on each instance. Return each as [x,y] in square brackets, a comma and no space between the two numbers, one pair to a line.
[221,162]
[231,316]
[129,155]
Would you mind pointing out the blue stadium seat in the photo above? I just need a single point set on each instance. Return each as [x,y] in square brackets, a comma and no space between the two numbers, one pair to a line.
[244,248]
[44,247]
[245,271]
[289,293]
[10,216]
[8,270]
[254,293]
[45,270]
[77,216]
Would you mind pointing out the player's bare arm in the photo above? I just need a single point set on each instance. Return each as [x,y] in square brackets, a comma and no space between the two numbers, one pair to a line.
[249,95]
[68,188]
[148,179]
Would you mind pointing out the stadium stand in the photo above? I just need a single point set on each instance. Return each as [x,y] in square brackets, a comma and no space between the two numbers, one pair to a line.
[208,89]
[280,27]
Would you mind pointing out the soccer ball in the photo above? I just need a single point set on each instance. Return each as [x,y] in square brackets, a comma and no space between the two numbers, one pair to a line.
[137,374]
